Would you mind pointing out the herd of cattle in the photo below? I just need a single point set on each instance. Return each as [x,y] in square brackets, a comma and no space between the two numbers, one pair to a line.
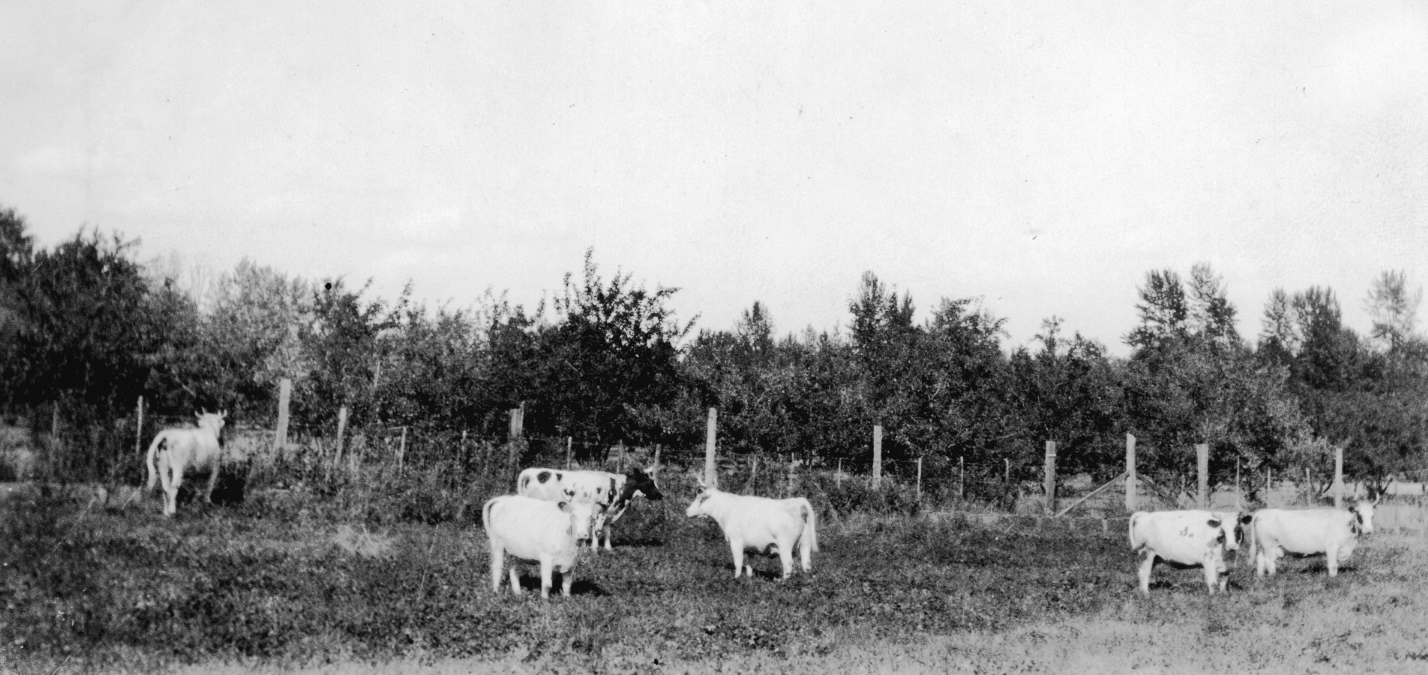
[1201,538]
[553,510]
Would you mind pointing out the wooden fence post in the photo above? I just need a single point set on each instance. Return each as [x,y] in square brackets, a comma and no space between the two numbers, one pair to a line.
[711,474]
[1050,477]
[919,478]
[513,436]
[838,477]
[1007,477]
[569,450]
[1202,467]
[620,458]
[961,476]
[402,450]
[877,455]
[1239,500]
[285,395]
[1338,476]
[341,429]
[655,466]
[139,431]
[1130,474]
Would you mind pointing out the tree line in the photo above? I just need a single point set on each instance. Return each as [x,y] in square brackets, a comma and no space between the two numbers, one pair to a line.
[87,327]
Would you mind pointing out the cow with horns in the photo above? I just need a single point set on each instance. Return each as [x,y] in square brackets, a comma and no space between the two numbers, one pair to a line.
[760,524]
[177,450]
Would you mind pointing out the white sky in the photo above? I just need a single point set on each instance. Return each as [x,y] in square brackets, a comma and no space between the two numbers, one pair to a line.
[1044,156]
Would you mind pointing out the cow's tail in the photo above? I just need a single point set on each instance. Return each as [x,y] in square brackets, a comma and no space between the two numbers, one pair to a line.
[810,526]
[153,471]
[486,513]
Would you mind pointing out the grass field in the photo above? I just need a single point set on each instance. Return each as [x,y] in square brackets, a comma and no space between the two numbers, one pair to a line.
[279,583]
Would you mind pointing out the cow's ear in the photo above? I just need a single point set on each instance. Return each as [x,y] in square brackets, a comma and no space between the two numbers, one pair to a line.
[569,492]
[1245,518]
[564,506]
[1213,523]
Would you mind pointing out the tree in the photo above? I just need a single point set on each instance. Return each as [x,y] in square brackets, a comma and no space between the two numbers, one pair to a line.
[1163,310]
[1394,310]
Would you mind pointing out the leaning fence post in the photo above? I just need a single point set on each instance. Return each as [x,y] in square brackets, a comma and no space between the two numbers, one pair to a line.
[1130,474]
[1202,467]
[341,429]
[1338,476]
[877,455]
[1050,477]
[711,475]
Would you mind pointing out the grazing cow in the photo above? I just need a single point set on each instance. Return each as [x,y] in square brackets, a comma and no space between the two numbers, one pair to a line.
[1331,532]
[540,531]
[612,491]
[1186,539]
[760,524]
[180,449]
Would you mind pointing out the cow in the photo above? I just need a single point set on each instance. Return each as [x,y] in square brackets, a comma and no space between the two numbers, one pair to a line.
[177,450]
[760,524]
[612,491]
[1186,539]
[1304,532]
[540,531]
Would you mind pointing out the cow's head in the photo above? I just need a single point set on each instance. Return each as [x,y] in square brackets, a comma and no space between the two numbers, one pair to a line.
[1232,526]
[1363,517]
[211,421]
[640,482]
[582,510]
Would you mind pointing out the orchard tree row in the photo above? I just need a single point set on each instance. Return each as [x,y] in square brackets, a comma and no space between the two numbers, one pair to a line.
[87,326]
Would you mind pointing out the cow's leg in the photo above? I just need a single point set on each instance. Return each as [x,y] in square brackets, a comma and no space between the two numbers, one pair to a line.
[608,535]
[212,481]
[805,554]
[171,487]
[567,578]
[1273,560]
[1224,576]
[1261,564]
[547,575]
[498,560]
[1147,563]
[785,556]
[736,547]
[1211,573]
[1331,556]
[515,579]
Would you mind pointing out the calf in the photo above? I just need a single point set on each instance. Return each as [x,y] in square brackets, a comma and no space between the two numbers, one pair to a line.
[760,524]
[1331,532]
[540,531]
[612,491]
[1186,539]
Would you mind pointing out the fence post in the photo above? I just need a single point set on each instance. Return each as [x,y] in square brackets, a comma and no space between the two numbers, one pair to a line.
[711,475]
[465,460]
[513,436]
[1338,476]
[838,477]
[1007,477]
[139,431]
[877,455]
[402,450]
[1238,498]
[655,466]
[919,478]
[341,429]
[285,394]
[1202,466]
[1130,474]
[1050,477]
[961,477]
[569,450]
[620,458]
[792,465]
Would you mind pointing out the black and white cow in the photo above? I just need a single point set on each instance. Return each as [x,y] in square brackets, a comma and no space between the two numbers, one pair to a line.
[612,491]
[1186,539]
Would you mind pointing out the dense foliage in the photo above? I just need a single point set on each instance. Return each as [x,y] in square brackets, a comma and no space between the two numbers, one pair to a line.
[85,329]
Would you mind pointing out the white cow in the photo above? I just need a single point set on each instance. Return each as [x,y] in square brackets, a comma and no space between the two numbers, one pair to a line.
[760,524]
[612,491]
[540,531]
[180,449]
[1186,539]
[1331,532]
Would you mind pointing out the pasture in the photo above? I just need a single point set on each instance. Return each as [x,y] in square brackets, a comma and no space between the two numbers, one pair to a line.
[283,582]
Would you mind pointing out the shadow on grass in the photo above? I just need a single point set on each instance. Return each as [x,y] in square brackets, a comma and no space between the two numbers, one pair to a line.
[530,583]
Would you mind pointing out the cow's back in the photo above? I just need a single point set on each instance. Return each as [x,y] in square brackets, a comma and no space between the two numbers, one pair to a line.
[529,528]
[761,521]
[1182,537]
[1305,531]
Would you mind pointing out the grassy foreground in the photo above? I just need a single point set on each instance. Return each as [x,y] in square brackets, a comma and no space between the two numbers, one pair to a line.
[279,584]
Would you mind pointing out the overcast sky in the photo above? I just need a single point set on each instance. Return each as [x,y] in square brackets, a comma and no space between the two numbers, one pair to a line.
[1042,156]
